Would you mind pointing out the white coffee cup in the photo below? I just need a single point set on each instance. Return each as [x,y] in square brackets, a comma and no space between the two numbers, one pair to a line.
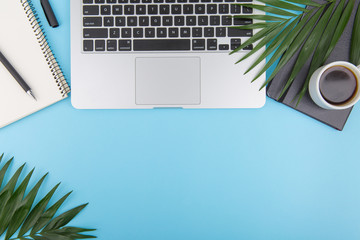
[315,91]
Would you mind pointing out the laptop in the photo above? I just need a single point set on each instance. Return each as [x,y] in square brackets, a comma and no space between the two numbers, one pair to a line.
[144,54]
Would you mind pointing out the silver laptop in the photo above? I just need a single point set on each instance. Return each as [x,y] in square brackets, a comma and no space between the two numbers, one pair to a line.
[161,54]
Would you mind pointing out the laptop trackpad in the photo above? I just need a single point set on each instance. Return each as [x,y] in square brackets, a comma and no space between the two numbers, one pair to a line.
[168,81]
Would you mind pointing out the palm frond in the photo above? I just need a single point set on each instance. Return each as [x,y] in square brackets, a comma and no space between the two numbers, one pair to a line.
[328,41]
[17,213]
[355,41]
[317,29]
[309,46]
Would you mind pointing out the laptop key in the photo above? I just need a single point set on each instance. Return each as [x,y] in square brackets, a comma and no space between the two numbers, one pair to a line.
[214,20]
[117,9]
[95,33]
[124,45]
[223,46]
[164,9]
[175,9]
[152,9]
[114,33]
[162,45]
[250,47]
[88,45]
[200,8]
[212,44]
[132,21]
[179,21]
[91,10]
[108,21]
[235,43]
[247,10]
[226,20]
[220,32]
[242,21]
[126,32]
[92,21]
[203,20]
[197,32]
[161,32]
[235,9]
[188,9]
[223,8]
[211,8]
[140,9]
[100,45]
[234,32]
[167,20]
[149,32]
[191,20]
[173,32]
[120,21]
[198,44]
[155,21]
[144,21]
[138,32]
[129,9]
[209,32]
[111,45]
[105,10]
[185,32]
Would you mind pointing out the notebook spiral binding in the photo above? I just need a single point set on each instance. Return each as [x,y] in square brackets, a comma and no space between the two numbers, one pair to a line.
[49,56]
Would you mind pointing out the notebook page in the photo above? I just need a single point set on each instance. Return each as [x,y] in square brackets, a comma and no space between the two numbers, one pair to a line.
[20,46]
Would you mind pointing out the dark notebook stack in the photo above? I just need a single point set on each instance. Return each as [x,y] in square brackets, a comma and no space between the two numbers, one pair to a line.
[333,118]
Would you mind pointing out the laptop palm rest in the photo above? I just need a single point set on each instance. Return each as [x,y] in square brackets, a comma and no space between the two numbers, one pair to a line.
[168,81]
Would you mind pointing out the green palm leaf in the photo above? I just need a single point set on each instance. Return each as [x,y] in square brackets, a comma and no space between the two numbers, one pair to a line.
[270,9]
[355,41]
[296,42]
[259,35]
[305,2]
[309,46]
[284,5]
[310,30]
[265,40]
[275,43]
[327,42]
[18,214]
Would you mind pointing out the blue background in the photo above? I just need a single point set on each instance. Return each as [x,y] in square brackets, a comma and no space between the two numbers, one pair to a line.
[269,173]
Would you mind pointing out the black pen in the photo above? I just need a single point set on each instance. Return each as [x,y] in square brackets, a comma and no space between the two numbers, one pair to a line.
[16,75]
[49,13]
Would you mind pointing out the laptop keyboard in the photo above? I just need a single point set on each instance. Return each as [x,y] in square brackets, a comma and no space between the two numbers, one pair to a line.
[163,25]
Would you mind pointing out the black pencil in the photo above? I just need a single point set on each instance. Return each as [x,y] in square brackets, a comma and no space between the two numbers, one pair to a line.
[16,75]
[49,13]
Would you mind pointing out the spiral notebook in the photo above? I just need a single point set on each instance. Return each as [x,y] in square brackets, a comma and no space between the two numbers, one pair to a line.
[25,46]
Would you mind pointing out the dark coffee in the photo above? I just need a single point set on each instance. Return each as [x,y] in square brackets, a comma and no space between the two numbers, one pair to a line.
[338,85]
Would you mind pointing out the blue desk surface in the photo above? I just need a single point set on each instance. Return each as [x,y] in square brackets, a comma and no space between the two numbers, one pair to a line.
[269,173]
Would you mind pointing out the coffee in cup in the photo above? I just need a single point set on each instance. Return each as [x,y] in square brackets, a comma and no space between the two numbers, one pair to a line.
[335,86]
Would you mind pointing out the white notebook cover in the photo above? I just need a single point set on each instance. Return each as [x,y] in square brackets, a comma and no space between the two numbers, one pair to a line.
[24,50]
